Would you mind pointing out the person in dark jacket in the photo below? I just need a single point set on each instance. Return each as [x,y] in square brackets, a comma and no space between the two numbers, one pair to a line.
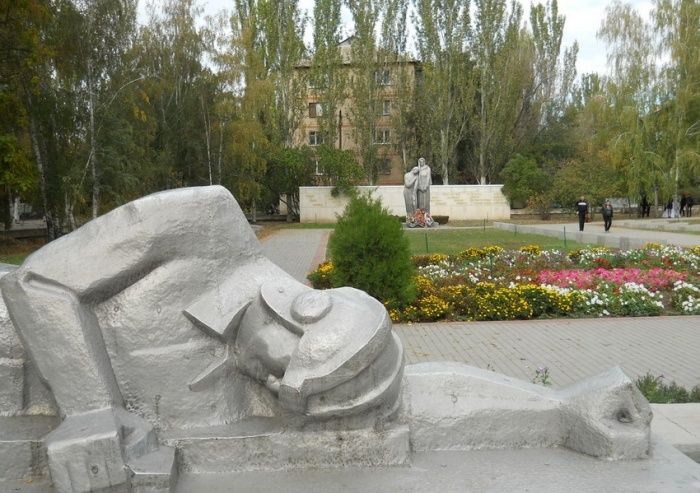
[646,206]
[684,202]
[582,211]
[689,206]
[607,215]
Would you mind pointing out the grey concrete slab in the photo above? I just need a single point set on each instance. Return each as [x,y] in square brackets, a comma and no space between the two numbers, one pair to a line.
[679,425]
[525,470]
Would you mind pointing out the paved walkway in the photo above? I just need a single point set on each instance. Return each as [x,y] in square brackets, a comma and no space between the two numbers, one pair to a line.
[297,251]
[570,348]
[623,234]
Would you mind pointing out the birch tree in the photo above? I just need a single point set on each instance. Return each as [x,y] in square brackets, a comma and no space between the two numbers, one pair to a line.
[107,30]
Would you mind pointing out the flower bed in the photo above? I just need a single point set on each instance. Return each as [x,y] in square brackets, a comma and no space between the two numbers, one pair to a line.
[492,284]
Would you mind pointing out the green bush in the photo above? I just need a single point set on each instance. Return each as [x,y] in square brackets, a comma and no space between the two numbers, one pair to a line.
[658,392]
[369,252]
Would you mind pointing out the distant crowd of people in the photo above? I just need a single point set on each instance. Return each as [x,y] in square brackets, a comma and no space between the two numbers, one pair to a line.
[584,215]
[685,208]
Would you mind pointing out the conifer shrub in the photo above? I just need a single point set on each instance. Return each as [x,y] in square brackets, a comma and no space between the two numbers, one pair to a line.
[370,252]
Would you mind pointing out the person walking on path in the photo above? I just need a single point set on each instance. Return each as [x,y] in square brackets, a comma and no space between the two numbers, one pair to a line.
[646,206]
[669,208]
[684,202]
[582,210]
[607,215]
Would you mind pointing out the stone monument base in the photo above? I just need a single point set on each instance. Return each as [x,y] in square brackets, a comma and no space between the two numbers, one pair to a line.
[488,471]
[541,470]
[263,445]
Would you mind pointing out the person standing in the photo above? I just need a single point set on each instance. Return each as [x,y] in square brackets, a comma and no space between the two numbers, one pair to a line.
[669,208]
[607,215]
[646,206]
[684,202]
[582,210]
[690,202]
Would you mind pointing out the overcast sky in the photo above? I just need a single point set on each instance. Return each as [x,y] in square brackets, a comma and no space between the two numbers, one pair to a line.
[583,18]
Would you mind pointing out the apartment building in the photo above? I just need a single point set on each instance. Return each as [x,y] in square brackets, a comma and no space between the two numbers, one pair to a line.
[389,162]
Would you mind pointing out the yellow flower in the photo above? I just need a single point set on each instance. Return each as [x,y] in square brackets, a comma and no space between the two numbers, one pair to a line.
[531,249]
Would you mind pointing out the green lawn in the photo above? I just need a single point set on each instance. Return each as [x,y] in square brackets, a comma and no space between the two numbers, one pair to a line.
[13,259]
[456,240]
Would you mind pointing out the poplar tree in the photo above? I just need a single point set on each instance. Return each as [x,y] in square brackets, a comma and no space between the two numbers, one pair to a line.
[448,86]
[328,77]
[393,44]
[370,75]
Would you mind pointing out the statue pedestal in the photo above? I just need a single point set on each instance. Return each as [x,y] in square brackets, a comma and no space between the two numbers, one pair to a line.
[486,471]
[265,445]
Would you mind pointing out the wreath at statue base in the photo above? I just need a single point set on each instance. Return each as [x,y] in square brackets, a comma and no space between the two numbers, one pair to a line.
[420,219]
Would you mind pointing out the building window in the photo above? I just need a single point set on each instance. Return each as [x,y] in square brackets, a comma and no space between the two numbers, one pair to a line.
[385,166]
[315,110]
[319,81]
[382,136]
[382,77]
[318,170]
[315,138]
[386,107]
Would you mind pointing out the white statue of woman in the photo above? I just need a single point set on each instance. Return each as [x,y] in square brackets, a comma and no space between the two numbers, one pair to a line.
[424,180]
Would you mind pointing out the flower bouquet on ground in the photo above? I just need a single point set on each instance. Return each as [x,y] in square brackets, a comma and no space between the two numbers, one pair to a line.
[421,219]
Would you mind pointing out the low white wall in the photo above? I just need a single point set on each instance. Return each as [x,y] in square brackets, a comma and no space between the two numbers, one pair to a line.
[459,202]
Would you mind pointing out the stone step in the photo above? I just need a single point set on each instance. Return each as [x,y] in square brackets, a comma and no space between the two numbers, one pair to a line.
[155,472]
[22,450]
[256,445]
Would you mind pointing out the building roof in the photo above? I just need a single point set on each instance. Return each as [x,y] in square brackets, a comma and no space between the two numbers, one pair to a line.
[346,55]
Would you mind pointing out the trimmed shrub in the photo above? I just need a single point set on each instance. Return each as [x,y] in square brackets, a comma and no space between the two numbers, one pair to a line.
[370,252]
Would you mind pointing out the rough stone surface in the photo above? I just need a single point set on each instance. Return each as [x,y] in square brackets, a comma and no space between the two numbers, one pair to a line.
[155,472]
[12,387]
[458,407]
[85,454]
[268,445]
[22,452]
[553,470]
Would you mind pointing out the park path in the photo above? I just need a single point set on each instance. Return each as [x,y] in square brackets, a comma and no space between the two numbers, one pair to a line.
[623,234]
[297,251]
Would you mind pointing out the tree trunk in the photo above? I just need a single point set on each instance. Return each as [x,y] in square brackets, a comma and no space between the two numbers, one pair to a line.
[68,211]
[40,166]
[207,137]
[482,137]
[221,150]
[15,210]
[444,157]
[93,144]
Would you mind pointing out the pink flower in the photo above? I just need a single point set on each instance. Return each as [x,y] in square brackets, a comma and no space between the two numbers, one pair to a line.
[653,279]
